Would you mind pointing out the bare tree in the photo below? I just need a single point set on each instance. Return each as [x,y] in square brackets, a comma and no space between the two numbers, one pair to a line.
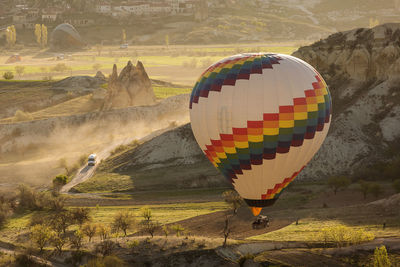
[89,230]
[61,221]
[103,231]
[337,182]
[40,234]
[146,213]
[150,227]
[58,241]
[233,199]
[81,215]
[123,221]
[20,70]
[76,240]
[227,230]
[178,229]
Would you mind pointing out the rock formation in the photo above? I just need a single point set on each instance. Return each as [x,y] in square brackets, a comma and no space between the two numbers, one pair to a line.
[362,69]
[132,87]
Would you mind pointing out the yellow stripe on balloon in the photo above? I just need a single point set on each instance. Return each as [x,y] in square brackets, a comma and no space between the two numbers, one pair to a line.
[256,138]
[320,99]
[241,144]
[221,155]
[230,150]
[312,107]
[286,124]
[271,131]
[300,115]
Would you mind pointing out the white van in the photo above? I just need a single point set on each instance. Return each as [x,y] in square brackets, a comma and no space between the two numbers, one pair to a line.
[92,159]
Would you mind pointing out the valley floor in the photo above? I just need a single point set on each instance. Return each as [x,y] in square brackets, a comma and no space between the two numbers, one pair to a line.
[293,238]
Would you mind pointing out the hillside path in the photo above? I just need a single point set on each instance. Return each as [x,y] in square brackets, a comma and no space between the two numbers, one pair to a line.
[86,171]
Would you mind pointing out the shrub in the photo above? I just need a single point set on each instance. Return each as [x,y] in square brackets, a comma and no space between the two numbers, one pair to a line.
[76,240]
[60,67]
[40,235]
[28,198]
[165,230]
[381,258]
[375,189]
[133,244]
[24,259]
[233,199]
[22,116]
[58,241]
[343,235]
[146,213]
[123,221]
[108,261]
[364,188]
[96,66]
[396,185]
[150,226]
[81,215]
[103,231]
[337,182]
[113,261]
[105,247]
[89,230]
[59,181]
[8,75]
[3,218]
[20,70]
[178,229]
[61,221]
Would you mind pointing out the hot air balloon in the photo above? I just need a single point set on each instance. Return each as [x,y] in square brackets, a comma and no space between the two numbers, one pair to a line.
[260,118]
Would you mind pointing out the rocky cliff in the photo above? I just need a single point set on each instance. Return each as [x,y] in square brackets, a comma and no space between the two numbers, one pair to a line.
[132,87]
[362,69]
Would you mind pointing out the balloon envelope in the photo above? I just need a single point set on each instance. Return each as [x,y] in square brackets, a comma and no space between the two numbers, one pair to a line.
[260,118]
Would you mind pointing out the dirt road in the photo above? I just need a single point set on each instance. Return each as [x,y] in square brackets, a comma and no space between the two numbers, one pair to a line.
[86,172]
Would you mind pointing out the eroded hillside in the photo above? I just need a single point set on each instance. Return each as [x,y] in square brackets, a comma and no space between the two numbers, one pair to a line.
[362,69]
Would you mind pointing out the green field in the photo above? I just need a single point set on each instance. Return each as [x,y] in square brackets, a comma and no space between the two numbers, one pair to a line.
[177,64]
[165,92]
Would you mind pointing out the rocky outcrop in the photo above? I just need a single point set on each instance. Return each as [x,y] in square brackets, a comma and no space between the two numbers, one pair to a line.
[80,83]
[359,55]
[132,87]
[362,69]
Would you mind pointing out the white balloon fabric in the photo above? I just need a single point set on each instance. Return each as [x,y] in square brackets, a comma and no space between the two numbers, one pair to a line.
[260,118]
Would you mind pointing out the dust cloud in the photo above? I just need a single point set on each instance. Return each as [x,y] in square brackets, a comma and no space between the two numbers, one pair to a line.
[33,156]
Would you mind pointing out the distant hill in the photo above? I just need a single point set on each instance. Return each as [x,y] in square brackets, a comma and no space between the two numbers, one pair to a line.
[235,21]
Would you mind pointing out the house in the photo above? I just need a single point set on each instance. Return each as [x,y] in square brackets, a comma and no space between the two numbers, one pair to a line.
[104,9]
[49,17]
[160,8]
[79,22]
